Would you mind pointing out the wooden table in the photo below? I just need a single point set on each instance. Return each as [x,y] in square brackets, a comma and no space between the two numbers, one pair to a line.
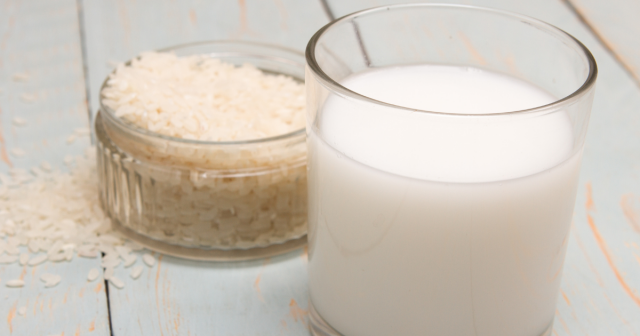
[68,47]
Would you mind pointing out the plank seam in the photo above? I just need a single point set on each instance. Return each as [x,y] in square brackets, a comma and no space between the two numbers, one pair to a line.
[85,66]
[363,49]
[603,42]
[327,10]
[106,291]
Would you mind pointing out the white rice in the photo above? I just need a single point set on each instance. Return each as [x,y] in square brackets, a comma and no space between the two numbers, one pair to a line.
[16,283]
[20,122]
[8,259]
[116,282]
[46,166]
[24,258]
[21,77]
[94,273]
[130,260]
[50,280]
[18,152]
[149,259]
[38,260]
[84,131]
[136,272]
[28,97]
[108,273]
[202,98]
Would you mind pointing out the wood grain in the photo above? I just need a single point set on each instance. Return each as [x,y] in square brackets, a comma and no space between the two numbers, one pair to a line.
[615,22]
[42,82]
[601,277]
[269,297]
[178,297]
[74,307]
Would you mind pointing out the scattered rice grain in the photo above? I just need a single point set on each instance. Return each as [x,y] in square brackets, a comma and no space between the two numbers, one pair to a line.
[20,122]
[46,166]
[110,262]
[108,273]
[15,283]
[94,273]
[87,252]
[38,260]
[50,280]
[130,260]
[8,259]
[148,259]
[116,282]
[24,258]
[21,77]
[18,152]
[28,97]
[136,271]
[68,159]
[82,131]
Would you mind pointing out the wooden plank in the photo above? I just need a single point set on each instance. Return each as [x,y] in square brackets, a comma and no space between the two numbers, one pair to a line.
[601,278]
[42,82]
[177,297]
[74,307]
[40,40]
[615,22]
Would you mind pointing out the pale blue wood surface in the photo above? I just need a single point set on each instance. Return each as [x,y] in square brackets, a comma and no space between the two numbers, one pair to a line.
[40,38]
[601,282]
[178,297]
[616,23]
[73,307]
[186,297]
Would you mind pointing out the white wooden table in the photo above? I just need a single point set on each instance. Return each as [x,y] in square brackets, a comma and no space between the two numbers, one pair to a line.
[67,47]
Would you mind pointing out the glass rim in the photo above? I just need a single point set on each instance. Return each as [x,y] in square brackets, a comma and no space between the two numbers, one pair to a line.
[110,115]
[337,87]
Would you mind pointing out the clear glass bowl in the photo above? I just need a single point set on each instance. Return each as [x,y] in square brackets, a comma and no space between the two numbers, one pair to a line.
[207,200]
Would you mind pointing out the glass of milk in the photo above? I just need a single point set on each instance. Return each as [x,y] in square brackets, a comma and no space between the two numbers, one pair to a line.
[444,151]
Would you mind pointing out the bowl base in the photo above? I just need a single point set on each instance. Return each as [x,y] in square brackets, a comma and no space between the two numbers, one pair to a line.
[194,253]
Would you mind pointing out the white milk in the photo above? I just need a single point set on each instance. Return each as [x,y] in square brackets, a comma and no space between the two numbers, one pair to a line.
[439,225]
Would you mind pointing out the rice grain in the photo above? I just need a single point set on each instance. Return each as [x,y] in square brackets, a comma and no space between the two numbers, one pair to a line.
[148,259]
[116,282]
[94,273]
[16,283]
[136,271]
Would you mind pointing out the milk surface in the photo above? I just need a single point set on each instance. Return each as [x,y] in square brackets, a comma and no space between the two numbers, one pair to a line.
[427,224]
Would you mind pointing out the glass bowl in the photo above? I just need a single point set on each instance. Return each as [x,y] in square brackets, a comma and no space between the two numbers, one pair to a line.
[207,200]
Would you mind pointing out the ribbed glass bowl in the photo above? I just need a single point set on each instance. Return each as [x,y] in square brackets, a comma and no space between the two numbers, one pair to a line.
[207,200]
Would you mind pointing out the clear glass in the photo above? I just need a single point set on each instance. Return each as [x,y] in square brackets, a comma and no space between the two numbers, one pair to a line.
[207,200]
[395,254]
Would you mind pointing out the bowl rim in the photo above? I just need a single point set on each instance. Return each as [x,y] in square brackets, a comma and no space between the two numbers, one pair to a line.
[109,113]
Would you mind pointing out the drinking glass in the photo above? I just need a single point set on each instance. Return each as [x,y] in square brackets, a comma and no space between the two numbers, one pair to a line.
[476,249]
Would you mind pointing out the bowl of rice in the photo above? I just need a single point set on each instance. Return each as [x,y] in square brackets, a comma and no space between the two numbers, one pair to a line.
[201,150]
